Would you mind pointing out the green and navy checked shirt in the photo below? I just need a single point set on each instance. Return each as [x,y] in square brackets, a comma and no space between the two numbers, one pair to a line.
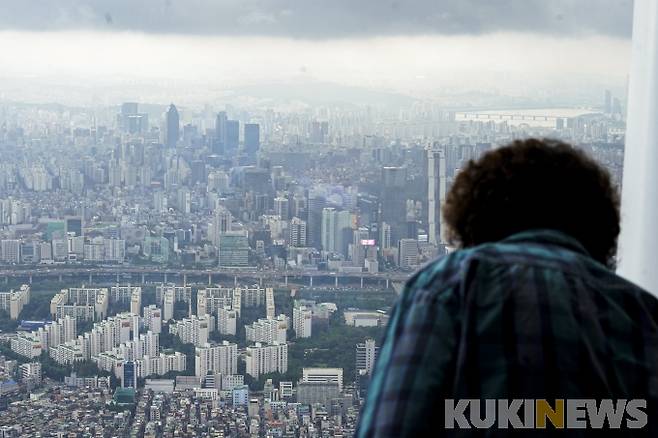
[532,316]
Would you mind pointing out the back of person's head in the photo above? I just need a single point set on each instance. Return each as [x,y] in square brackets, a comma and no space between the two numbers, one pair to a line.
[534,184]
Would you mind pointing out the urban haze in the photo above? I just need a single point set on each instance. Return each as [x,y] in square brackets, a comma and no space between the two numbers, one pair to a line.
[208,209]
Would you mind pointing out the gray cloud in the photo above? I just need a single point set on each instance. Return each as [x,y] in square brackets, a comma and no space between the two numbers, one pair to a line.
[320,19]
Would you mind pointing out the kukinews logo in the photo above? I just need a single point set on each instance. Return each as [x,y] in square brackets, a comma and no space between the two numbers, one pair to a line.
[540,414]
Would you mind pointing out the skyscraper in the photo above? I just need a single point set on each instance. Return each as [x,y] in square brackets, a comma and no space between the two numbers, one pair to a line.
[232,137]
[173,127]
[220,132]
[393,199]
[314,224]
[251,138]
[336,230]
[436,193]
[221,224]
[328,232]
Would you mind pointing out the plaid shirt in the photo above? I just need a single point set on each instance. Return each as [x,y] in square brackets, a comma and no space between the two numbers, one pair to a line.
[532,316]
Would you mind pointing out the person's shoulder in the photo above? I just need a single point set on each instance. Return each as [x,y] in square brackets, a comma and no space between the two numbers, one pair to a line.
[619,287]
[439,275]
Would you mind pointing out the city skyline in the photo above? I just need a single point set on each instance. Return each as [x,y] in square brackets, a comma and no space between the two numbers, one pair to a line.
[209,209]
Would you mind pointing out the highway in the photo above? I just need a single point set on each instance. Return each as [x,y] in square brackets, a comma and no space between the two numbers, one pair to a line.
[145,274]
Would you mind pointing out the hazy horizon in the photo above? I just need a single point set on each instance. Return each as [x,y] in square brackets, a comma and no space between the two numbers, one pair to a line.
[81,54]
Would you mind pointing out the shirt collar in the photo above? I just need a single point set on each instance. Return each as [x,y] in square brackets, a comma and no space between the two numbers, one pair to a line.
[547,236]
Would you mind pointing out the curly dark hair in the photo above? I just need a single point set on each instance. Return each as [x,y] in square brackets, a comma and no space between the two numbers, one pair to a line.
[532,184]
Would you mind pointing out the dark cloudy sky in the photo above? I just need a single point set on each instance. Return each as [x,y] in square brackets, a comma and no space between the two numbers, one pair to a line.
[321,18]
[412,46]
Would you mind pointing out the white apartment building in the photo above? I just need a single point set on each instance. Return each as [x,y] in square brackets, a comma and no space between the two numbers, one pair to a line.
[263,359]
[268,330]
[366,354]
[121,294]
[302,321]
[211,299]
[193,330]
[180,293]
[136,300]
[252,296]
[270,309]
[27,344]
[227,321]
[216,359]
[168,305]
[153,318]
[13,301]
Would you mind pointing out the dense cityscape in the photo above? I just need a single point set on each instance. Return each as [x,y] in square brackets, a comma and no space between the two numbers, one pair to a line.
[188,272]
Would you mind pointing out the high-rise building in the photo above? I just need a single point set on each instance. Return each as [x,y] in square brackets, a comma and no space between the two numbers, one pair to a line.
[302,321]
[336,230]
[233,249]
[316,205]
[393,198]
[366,354]
[153,318]
[250,296]
[216,359]
[268,330]
[156,248]
[129,375]
[270,307]
[193,330]
[232,137]
[130,121]
[136,300]
[281,208]
[407,253]
[168,313]
[227,321]
[172,127]
[328,232]
[220,133]
[128,109]
[180,293]
[221,224]
[211,299]
[251,138]
[11,250]
[436,193]
[263,359]
[13,301]
[149,344]
[297,233]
